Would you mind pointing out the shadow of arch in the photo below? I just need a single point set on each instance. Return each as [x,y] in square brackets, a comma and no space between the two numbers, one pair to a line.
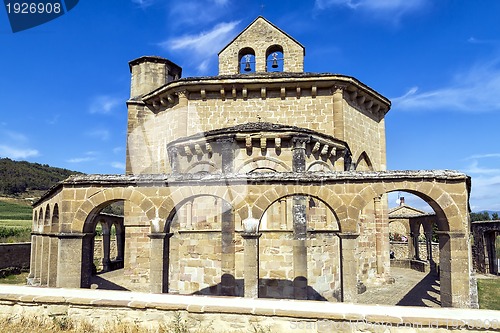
[449,220]
[95,217]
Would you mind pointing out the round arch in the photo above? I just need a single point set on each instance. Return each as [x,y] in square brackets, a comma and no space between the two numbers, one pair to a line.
[262,162]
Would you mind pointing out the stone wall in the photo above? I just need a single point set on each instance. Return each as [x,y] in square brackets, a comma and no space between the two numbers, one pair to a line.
[102,309]
[16,255]
[401,250]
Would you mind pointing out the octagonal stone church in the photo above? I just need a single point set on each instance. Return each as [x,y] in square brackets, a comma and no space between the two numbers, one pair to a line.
[262,181]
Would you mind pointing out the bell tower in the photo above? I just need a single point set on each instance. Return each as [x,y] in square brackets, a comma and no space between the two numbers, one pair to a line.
[261,47]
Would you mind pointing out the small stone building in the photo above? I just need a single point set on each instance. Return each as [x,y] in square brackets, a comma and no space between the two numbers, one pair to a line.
[262,181]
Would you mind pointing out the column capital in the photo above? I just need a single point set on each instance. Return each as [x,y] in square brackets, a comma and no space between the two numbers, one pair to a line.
[299,141]
[246,235]
[348,235]
[160,235]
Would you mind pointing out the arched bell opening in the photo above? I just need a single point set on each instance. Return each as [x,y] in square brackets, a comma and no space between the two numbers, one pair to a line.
[246,60]
[275,60]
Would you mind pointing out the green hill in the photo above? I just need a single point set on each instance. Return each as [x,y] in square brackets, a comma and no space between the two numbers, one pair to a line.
[25,178]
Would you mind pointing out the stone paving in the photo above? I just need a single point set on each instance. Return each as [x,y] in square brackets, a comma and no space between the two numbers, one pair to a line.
[411,288]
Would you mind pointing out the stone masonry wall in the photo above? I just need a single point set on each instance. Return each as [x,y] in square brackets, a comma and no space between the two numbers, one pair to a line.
[103,309]
[16,255]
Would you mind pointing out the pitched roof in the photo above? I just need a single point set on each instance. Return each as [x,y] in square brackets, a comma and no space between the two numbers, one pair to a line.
[267,21]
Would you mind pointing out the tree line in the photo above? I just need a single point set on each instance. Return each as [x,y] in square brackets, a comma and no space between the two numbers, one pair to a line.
[17,177]
[484,216]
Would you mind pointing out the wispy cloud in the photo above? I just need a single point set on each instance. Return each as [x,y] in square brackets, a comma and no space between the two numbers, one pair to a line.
[200,47]
[479,156]
[472,91]
[102,134]
[118,165]
[104,104]
[88,157]
[17,153]
[143,3]
[392,7]
[207,12]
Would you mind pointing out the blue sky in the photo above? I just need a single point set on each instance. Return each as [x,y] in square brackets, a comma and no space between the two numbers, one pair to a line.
[64,84]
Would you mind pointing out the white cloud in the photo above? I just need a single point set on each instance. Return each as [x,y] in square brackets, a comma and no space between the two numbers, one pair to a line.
[104,104]
[81,159]
[205,43]
[485,193]
[101,134]
[394,7]
[118,150]
[472,91]
[200,48]
[143,3]
[16,153]
[118,165]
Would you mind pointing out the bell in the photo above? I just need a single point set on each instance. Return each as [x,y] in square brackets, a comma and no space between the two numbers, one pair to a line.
[275,63]
[247,66]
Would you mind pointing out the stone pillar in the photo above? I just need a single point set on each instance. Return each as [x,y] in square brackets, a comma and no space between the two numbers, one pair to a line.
[282,203]
[411,246]
[159,261]
[44,272]
[348,244]
[338,113]
[189,214]
[38,261]
[251,262]
[227,154]
[454,270]
[228,280]
[299,153]
[415,245]
[183,119]
[428,246]
[379,235]
[31,276]
[120,242]
[299,247]
[53,252]
[173,159]
[106,244]
[69,253]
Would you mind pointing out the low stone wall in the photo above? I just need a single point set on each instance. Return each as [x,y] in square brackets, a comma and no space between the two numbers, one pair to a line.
[15,255]
[401,250]
[235,314]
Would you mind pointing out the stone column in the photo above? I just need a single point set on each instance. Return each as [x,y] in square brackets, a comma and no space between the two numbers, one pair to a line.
[44,272]
[338,113]
[228,280]
[189,214]
[348,244]
[173,159]
[251,261]
[31,276]
[38,261]
[227,154]
[120,242]
[428,245]
[53,252]
[454,270]
[299,153]
[106,245]
[69,253]
[299,247]
[159,261]
[415,245]
[379,235]
[183,108]
[411,246]
[282,203]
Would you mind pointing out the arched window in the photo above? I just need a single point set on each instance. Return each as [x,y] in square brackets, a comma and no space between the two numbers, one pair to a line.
[275,59]
[246,59]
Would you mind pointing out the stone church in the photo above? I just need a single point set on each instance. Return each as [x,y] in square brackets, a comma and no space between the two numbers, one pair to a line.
[262,181]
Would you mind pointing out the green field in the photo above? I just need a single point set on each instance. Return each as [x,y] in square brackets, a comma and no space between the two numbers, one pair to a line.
[489,293]
[15,222]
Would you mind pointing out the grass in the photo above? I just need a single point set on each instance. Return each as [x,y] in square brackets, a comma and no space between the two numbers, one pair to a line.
[15,221]
[489,293]
[16,279]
